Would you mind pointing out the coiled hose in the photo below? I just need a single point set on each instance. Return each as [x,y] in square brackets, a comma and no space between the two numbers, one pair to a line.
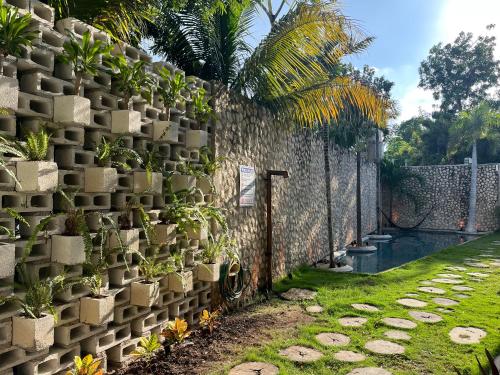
[232,284]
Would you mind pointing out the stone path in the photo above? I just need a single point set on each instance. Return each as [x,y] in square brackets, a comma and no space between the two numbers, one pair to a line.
[348,356]
[445,301]
[365,307]
[384,347]
[461,288]
[253,368]
[397,335]
[433,290]
[467,335]
[399,323]
[352,321]
[333,339]
[426,317]
[296,294]
[410,302]
[301,354]
[447,281]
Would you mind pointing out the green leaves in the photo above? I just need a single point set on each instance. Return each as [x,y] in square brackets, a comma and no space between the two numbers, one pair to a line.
[116,154]
[171,88]
[147,347]
[14,33]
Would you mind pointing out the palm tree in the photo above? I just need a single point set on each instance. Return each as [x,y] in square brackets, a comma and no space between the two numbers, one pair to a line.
[471,126]
[14,33]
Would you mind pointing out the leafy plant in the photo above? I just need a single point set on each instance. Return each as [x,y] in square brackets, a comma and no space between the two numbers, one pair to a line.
[17,217]
[94,282]
[210,320]
[494,370]
[213,249]
[176,332]
[131,79]
[203,111]
[209,163]
[178,260]
[147,347]
[14,33]
[150,268]
[171,90]
[84,56]
[116,154]
[86,366]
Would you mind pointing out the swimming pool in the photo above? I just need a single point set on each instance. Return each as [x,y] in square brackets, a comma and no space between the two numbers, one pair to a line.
[404,247]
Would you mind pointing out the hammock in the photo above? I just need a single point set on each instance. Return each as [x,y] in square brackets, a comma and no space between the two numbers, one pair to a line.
[408,228]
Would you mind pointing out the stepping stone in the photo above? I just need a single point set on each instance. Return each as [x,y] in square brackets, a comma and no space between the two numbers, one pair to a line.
[343,269]
[365,307]
[412,295]
[426,282]
[456,268]
[397,335]
[314,309]
[410,302]
[443,310]
[348,356]
[459,295]
[253,368]
[478,274]
[477,264]
[384,347]
[301,354]
[425,317]
[461,288]
[399,323]
[430,289]
[333,339]
[447,281]
[495,264]
[449,276]
[467,335]
[369,371]
[352,321]
[445,301]
[476,279]
[296,294]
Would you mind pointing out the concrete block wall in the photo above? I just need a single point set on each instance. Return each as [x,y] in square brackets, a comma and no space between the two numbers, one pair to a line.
[42,82]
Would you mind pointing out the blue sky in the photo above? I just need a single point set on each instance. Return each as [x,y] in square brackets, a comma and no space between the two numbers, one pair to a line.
[405,30]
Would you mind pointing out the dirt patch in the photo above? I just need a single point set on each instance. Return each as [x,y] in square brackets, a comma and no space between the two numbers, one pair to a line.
[237,332]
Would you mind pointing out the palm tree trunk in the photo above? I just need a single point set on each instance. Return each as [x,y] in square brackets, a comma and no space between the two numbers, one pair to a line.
[359,240]
[471,220]
[379,185]
[328,187]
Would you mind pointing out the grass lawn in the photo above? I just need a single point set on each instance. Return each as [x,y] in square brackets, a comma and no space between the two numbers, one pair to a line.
[430,350]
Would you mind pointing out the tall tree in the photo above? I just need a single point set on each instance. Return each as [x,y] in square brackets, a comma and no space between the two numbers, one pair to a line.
[461,73]
[470,127]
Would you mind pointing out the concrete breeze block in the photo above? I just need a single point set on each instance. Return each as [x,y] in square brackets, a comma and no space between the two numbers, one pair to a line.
[68,250]
[37,176]
[208,272]
[129,237]
[165,234]
[196,139]
[97,310]
[72,109]
[9,93]
[8,259]
[125,122]
[101,180]
[165,131]
[200,233]
[180,282]
[33,334]
[144,294]
[142,185]
[183,182]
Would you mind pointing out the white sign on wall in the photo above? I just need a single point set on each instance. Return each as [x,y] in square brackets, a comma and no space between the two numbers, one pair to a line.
[247,186]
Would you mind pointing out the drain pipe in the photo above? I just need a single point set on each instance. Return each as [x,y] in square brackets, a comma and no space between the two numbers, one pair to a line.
[269,249]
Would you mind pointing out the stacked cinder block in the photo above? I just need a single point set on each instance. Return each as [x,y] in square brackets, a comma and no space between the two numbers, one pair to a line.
[42,96]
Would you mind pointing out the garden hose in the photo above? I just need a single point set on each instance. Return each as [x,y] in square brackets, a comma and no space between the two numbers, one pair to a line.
[232,284]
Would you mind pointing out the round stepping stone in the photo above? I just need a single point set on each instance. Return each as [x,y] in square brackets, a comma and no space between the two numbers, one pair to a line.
[456,268]
[447,281]
[369,371]
[467,335]
[412,295]
[495,264]
[352,321]
[461,288]
[333,339]
[399,323]
[384,347]
[314,309]
[348,356]
[443,310]
[478,274]
[426,282]
[459,295]
[477,264]
[301,354]
[296,294]
[397,335]
[430,289]
[425,317]
[410,302]
[476,279]
[365,307]
[449,276]
[252,368]
[445,301]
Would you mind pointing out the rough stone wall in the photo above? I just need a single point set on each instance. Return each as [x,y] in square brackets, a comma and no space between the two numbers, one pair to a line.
[445,194]
[248,135]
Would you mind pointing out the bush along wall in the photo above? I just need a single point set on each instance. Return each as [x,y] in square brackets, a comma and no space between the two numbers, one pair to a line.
[105,195]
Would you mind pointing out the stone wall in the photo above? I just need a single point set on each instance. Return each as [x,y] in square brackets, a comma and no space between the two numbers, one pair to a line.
[248,135]
[445,194]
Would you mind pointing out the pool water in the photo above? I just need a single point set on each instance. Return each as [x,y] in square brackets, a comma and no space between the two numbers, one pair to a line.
[404,247]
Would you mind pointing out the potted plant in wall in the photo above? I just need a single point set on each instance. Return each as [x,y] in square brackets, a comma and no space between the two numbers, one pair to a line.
[83,58]
[213,250]
[151,180]
[129,80]
[180,281]
[14,34]
[8,250]
[203,112]
[33,173]
[98,308]
[109,156]
[127,236]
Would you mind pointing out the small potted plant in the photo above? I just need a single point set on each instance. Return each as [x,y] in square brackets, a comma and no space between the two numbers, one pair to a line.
[83,58]
[33,173]
[127,236]
[8,250]
[209,165]
[180,281]
[98,308]
[130,80]
[209,269]
[165,231]
[14,34]
[34,329]
[147,291]
[197,138]
[151,180]
[109,156]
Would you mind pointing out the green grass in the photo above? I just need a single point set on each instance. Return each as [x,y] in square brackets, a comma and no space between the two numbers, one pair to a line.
[430,351]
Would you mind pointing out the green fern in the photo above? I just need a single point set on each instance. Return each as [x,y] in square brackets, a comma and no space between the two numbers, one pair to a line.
[116,154]
[171,90]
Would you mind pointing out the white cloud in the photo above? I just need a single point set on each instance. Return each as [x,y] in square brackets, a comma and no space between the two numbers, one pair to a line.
[413,101]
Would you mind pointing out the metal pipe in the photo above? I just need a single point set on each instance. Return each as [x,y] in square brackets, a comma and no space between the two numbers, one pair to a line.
[269,245]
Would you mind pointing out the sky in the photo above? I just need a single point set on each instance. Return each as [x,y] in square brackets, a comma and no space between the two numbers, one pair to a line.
[405,31]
